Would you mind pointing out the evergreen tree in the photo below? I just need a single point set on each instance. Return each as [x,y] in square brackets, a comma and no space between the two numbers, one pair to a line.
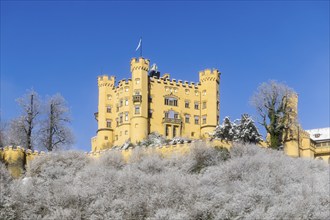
[246,131]
[225,131]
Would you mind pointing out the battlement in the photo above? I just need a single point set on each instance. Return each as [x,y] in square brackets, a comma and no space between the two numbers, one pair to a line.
[139,64]
[174,82]
[106,80]
[209,75]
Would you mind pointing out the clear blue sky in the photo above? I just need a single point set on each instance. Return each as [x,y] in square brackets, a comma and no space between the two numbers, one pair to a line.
[57,46]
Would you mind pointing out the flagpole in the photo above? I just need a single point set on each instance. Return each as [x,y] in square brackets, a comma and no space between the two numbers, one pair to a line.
[141,48]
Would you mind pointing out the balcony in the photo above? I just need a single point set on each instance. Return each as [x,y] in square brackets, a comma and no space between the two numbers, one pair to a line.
[137,98]
[172,120]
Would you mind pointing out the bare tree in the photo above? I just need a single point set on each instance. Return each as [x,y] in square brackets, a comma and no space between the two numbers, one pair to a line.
[22,129]
[3,134]
[272,101]
[55,132]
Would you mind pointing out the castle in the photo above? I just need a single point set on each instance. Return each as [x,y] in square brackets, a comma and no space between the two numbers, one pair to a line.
[132,109]
[148,102]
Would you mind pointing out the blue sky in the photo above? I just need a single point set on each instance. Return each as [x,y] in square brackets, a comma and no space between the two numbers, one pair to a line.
[57,46]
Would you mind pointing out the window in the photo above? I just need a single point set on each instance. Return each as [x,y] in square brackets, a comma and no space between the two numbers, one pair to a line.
[196,105]
[137,81]
[186,104]
[196,93]
[204,119]
[109,97]
[108,109]
[126,116]
[171,101]
[137,109]
[117,109]
[150,113]
[126,89]
[204,92]
[187,118]
[116,137]
[121,118]
[187,91]
[171,114]
[166,88]
[121,103]
[105,137]
[192,134]
[204,105]
[126,102]
[150,98]
[196,120]
[175,90]
[108,123]
[126,132]
[117,121]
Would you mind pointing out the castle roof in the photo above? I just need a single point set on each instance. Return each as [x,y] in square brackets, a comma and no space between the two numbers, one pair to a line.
[319,134]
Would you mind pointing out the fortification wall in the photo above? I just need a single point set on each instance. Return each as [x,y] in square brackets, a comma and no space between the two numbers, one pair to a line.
[17,159]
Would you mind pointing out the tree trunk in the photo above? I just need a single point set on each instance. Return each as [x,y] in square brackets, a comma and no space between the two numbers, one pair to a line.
[51,128]
[29,121]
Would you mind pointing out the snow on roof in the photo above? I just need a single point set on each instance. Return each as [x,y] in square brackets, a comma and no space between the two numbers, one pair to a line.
[319,134]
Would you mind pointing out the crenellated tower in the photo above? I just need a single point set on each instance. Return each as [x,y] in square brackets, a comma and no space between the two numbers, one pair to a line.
[140,95]
[210,100]
[104,138]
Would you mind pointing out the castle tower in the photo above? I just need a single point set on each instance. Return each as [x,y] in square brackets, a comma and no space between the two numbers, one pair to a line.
[140,95]
[291,136]
[210,106]
[104,138]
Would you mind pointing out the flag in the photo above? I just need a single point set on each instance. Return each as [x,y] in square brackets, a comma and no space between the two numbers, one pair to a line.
[139,45]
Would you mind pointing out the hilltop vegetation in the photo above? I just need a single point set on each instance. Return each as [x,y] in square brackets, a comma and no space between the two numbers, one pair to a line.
[207,183]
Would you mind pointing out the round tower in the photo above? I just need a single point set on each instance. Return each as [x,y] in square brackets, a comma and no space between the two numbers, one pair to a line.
[210,100]
[292,136]
[139,108]
[104,137]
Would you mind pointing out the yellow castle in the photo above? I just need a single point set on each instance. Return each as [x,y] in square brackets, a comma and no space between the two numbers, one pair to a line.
[147,102]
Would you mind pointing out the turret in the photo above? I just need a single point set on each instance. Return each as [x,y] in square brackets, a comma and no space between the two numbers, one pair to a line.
[105,130]
[139,108]
[210,106]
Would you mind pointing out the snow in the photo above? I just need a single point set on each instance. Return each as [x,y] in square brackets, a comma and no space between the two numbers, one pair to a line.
[319,134]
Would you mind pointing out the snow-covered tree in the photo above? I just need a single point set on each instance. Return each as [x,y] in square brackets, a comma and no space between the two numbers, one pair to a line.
[55,132]
[254,183]
[225,131]
[153,139]
[272,103]
[246,130]
[22,130]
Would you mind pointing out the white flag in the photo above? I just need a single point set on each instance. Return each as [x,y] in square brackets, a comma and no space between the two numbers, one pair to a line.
[140,42]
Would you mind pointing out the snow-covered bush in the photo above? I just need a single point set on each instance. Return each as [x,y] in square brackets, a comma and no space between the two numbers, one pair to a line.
[153,139]
[254,183]
[7,210]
